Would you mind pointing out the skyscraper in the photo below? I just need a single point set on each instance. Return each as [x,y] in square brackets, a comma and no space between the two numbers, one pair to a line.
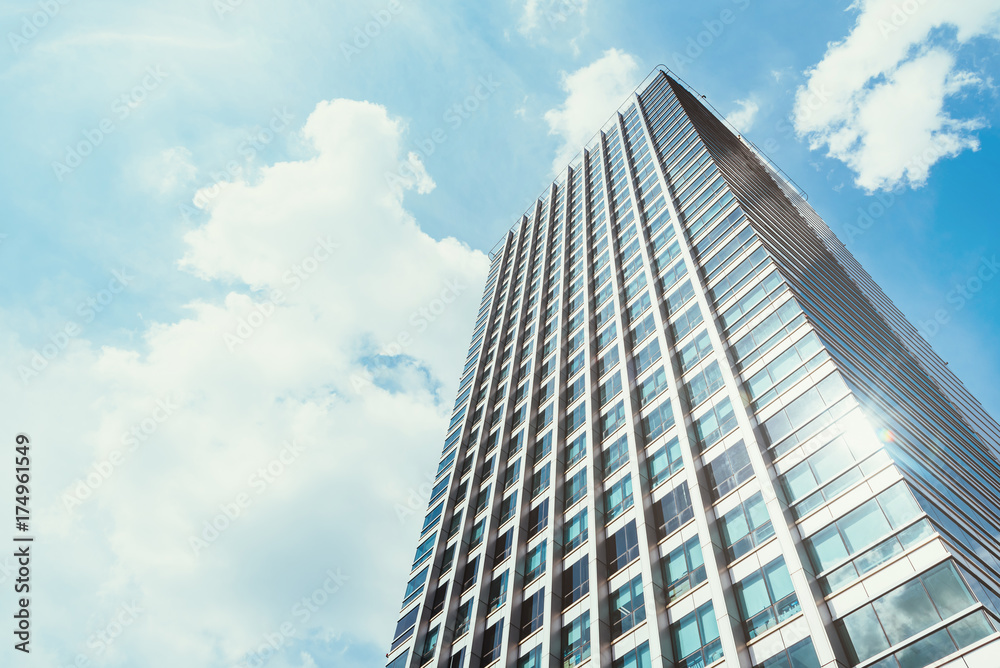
[692,431]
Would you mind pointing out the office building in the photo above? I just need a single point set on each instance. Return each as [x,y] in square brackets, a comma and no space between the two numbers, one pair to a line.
[691,431]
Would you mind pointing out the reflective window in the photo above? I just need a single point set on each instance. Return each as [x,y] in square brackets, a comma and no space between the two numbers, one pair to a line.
[696,639]
[746,526]
[576,640]
[685,569]
[766,598]
[627,608]
[665,462]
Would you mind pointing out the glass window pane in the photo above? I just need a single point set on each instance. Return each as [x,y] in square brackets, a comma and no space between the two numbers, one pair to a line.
[862,635]
[803,655]
[926,650]
[827,548]
[864,526]
[970,629]
[753,595]
[709,625]
[905,611]
[899,505]
[947,590]
[778,579]
[686,636]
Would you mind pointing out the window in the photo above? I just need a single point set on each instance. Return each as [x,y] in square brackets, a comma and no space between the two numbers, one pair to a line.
[544,417]
[800,655]
[538,518]
[404,627]
[639,306]
[805,408]
[576,450]
[535,564]
[645,327]
[618,498]
[456,524]
[637,658]
[607,336]
[645,358]
[457,659]
[729,470]
[576,640]
[498,591]
[711,426]
[400,661]
[609,389]
[492,643]
[504,546]
[611,421]
[415,586]
[423,551]
[865,525]
[627,608]
[576,487]
[652,387]
[483,499]
[469,577]
[673,510]
[576,418]
[615,455]
[512,474]
[508,507]
[657,421]
[680,297]
[532,659]
[430,644]
[685,569]
[704,384]
[448,558]
[477,534]
[623,547]
[576,390]
[786,369]
[665,462]
[543,447]
[532,613]
[772,330]
[439,489]
[696,639]
[432,519]
[686,322]
[766,598]
[694,352]
[753,302]
[746,526]
[607,362]
[906,611]
[576,582]
[540,481]
[575,531]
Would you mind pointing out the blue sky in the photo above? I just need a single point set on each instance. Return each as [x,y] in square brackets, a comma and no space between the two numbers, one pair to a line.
[275,287]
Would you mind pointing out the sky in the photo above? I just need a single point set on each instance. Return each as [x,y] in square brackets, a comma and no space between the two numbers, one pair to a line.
[242,246]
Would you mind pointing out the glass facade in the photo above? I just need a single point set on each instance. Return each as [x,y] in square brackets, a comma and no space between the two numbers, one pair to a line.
[691,431]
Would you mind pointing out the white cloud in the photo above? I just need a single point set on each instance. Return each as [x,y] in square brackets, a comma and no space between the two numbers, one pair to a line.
[877,98]
[744,115]
[553,13]
[593,93]
[309,372]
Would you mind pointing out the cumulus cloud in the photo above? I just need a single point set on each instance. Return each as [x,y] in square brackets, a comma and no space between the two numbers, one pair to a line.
[593,93]
[743,116]
[877,99]
[299,414]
